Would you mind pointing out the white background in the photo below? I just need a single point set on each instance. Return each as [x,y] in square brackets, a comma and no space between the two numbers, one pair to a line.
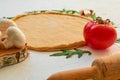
[38,66]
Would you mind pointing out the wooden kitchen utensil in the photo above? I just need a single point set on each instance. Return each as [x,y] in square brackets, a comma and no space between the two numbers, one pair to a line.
[105,68]
[12,56]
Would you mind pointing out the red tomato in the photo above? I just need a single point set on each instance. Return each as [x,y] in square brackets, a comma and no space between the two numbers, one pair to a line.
[99,36]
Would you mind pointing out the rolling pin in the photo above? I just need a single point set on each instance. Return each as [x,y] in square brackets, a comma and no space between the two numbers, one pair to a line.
[104,68]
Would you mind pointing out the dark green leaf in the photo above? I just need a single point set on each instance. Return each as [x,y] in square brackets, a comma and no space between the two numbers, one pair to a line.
[66,52]
[81,52]
[63,10]
[108,20]
[44,11]
[58,10]
[71,11]
[35,11]
[98,18]
[8,17]
[118,40]
[87,52]
[29,12]
[58,54]
[115,27]
[62,53]
[78,52]
[67,11]
[70,53]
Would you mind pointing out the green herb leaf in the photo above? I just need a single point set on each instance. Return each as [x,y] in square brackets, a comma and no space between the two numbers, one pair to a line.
[108,20]
[29,12]
[99,19]
[93,16]
[118,40]
[88,52]
[71,12]
[112,23]
[61,11]
[32,12]
[42,11]
[58,54]
[70,53]
[7,17]
[64,10]
[81,52]
[62,53]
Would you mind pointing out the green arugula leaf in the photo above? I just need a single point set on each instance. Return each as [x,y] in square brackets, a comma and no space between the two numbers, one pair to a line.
[87,52]
[71,12]
[112,23]
[62,53]
[58,54]
[7,17]
[42,11]
[32,12]
[108,20]
[61,11]
[70,53]
[118,40]
[81,52]
[94,16]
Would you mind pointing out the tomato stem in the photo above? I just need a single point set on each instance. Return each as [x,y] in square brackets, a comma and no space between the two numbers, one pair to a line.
[108,20]
[99,20]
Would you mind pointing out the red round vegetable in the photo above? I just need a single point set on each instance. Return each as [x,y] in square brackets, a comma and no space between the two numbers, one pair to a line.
[99,34]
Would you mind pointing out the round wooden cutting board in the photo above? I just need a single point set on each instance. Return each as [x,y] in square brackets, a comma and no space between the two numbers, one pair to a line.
[12,56]
[52,31]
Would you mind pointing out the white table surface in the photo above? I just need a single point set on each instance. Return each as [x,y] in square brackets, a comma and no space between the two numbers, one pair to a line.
[39,65]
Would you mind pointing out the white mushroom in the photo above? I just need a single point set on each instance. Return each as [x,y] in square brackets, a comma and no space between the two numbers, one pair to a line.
[7,23]
[11,35]
[4,24]
[16,38]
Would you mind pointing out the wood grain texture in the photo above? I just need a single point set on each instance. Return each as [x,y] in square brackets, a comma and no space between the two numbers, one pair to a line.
[105,68]
[12,56]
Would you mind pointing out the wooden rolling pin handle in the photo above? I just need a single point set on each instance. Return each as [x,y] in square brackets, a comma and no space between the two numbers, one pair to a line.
[75,74]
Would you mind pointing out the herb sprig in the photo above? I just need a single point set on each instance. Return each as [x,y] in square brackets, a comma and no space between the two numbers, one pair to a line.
[64,11]
[70,53]
[6,17]
[118,40]
[61,11]
[100,20]
[36,11]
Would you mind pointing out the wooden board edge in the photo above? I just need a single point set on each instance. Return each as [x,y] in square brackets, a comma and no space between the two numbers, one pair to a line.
[14,58]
